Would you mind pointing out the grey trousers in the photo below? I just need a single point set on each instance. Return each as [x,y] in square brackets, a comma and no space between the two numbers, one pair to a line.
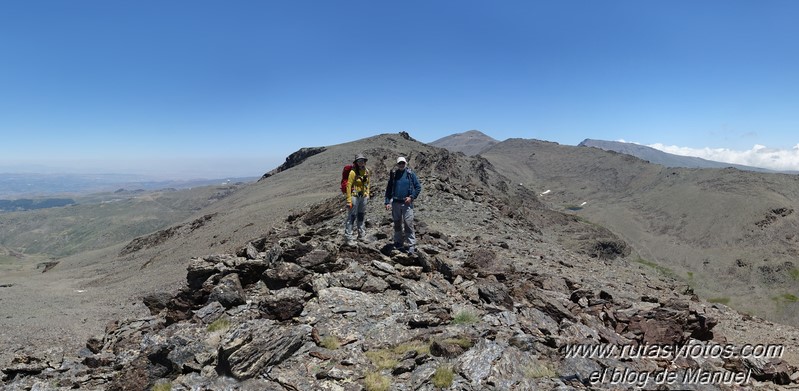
[403,224]
[357,218]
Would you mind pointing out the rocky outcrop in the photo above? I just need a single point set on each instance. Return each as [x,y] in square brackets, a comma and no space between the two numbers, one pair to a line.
[163,235]
[294,159]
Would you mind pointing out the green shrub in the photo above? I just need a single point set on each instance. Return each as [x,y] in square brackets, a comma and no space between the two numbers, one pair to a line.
[374,381]
[789,297]
[219,324]
[465,317]
[330,342]
[647,263]
[417,346]
[389,358]
[383,358]
[162,387]
[661,269]
[537,370]
[465,343]
[794,274]
[443,376]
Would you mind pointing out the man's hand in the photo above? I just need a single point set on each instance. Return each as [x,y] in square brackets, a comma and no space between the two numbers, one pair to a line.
[408,200]
[388,206]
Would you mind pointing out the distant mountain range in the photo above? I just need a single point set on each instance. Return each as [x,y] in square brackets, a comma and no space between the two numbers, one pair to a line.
[655,156]
[475,142]
[26,185]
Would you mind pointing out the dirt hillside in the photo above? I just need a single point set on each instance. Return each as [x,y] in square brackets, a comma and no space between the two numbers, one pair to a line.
[729,235]
[259,291]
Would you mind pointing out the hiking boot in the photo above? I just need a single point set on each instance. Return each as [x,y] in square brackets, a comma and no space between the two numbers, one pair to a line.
[411,250]
[351,243]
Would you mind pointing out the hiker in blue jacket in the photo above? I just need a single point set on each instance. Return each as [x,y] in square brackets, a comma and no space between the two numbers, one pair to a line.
[403,187]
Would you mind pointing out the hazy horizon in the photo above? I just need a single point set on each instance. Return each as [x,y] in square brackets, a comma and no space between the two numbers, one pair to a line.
[238,167]
[157,169]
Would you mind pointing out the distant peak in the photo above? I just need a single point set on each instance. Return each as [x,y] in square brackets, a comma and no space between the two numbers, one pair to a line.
[471,142]
[590,142]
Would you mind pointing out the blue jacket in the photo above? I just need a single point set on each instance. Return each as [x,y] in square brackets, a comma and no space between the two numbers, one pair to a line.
[402,183]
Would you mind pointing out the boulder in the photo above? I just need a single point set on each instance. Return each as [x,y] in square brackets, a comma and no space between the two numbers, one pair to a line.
[252,348]
[284,304]
[284,274]
[228,291]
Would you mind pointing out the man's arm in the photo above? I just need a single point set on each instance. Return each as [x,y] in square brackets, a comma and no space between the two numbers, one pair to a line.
[417,186]
[350,181]
[390,188]
[368,183]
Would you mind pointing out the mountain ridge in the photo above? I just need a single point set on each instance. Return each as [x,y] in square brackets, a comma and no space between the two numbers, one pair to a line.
[270,259]
[716,229]
[656,156]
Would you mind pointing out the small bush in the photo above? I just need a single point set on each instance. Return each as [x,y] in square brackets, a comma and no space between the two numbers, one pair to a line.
[162,387]
[418,346]
[389,358]
[720,300]
[376,382]
[443,376]
[330,342]
[661,269]
[537,370]
[219,324]
[794,274]
[383,358]
[465,317]
[647,263]
[789,297]
[465,343]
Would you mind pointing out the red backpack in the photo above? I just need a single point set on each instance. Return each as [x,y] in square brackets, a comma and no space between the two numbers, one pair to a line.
[345,177]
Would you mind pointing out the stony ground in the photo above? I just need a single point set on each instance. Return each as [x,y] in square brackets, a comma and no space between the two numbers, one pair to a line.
[500,288]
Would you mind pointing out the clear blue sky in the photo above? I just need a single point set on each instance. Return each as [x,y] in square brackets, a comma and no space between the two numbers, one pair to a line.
[231,88]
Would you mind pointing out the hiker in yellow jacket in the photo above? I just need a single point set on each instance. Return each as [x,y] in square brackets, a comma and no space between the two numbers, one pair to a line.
[357,196]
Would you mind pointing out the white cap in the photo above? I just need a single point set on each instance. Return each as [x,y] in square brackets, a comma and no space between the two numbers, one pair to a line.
[401,159]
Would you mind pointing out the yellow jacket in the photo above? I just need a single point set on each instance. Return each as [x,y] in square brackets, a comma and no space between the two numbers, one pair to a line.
[358,183]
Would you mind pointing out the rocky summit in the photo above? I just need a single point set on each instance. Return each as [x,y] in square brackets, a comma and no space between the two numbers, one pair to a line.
[502,294]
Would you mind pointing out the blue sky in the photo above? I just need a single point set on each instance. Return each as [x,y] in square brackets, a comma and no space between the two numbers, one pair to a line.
[208,88]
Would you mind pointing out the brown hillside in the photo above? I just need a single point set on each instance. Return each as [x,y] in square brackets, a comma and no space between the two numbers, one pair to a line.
[500,288]
[730,235]
[75,299]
